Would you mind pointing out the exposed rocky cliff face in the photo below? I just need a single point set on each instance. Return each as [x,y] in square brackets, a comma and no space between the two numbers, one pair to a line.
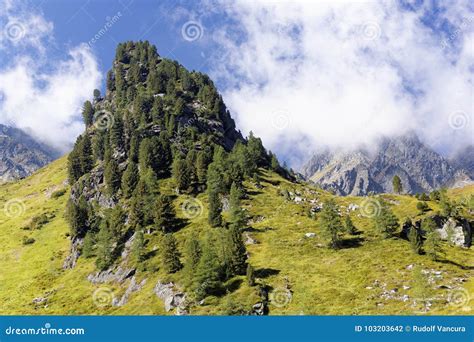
[20,154]
[357,173]
[464,159]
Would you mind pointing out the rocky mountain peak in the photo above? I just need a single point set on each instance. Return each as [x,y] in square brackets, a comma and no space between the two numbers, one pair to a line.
[359,172]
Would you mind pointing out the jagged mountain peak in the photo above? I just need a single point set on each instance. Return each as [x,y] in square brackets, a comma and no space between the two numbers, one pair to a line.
[361,171]
[21,154]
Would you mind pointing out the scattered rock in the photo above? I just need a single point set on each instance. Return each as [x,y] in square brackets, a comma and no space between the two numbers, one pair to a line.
[249,240]
[74,253]
[133,287]
[352,207]
[310,235]
[171,298]
[107,276]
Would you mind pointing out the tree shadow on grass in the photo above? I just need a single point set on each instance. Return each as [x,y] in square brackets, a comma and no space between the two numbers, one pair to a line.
[463,267]
[352,242]
[266,272]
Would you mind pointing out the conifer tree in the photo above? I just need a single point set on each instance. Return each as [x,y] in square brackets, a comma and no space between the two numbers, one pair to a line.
[237,215]
[130,179]
[138,247]
[207,278]
[330,224]
[86,154]
[104,246]
[201,167]
[250,275]
[77,216]
[349,225]
[170,255]
[88,113]
[237,257]
[386,222]
[164,214]
[192,254]
[397,184]
[215,209]
[274,163]
[112,177]
[414,236]
[432,243]
[180,173]
[88,245]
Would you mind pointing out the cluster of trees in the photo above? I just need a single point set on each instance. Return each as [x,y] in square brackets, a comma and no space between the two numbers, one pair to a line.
[150,131]
[332,226]
[430,244]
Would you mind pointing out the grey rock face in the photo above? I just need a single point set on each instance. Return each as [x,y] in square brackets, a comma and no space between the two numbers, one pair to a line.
[171,297]
[20,154]
[74,253]
[118,275]
[360,172]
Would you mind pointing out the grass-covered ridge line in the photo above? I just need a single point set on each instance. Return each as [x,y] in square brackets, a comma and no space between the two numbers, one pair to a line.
[356,279]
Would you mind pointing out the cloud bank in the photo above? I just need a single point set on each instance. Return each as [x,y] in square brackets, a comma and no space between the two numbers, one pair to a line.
[307,74]
[42,87]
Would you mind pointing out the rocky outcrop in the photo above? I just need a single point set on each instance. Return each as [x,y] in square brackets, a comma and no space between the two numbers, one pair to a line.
[74,253]
[132,287]
[364,171]
[91,187]
[119,275]
[21,155]
[458,232]
[171,297]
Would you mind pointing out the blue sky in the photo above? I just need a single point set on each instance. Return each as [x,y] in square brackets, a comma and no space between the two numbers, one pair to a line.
[303,75]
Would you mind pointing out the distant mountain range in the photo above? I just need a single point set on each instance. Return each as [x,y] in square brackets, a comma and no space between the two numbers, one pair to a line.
[20,154]
[363,171]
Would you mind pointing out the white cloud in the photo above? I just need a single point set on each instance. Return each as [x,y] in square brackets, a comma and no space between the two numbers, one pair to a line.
[345,73]
[40,92]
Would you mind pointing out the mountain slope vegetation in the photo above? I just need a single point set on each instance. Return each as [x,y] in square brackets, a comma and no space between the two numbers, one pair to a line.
[163,207]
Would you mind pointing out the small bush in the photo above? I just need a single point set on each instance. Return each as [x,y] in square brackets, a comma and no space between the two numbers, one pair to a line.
[38,221]
[28,241]
[58,193]
[422,207]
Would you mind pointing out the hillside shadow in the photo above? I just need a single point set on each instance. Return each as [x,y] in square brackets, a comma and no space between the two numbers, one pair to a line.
[233,285]
[352,242]
[454,263]
[266,272]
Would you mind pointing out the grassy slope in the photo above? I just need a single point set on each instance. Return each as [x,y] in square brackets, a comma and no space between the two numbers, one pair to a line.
[322,281]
